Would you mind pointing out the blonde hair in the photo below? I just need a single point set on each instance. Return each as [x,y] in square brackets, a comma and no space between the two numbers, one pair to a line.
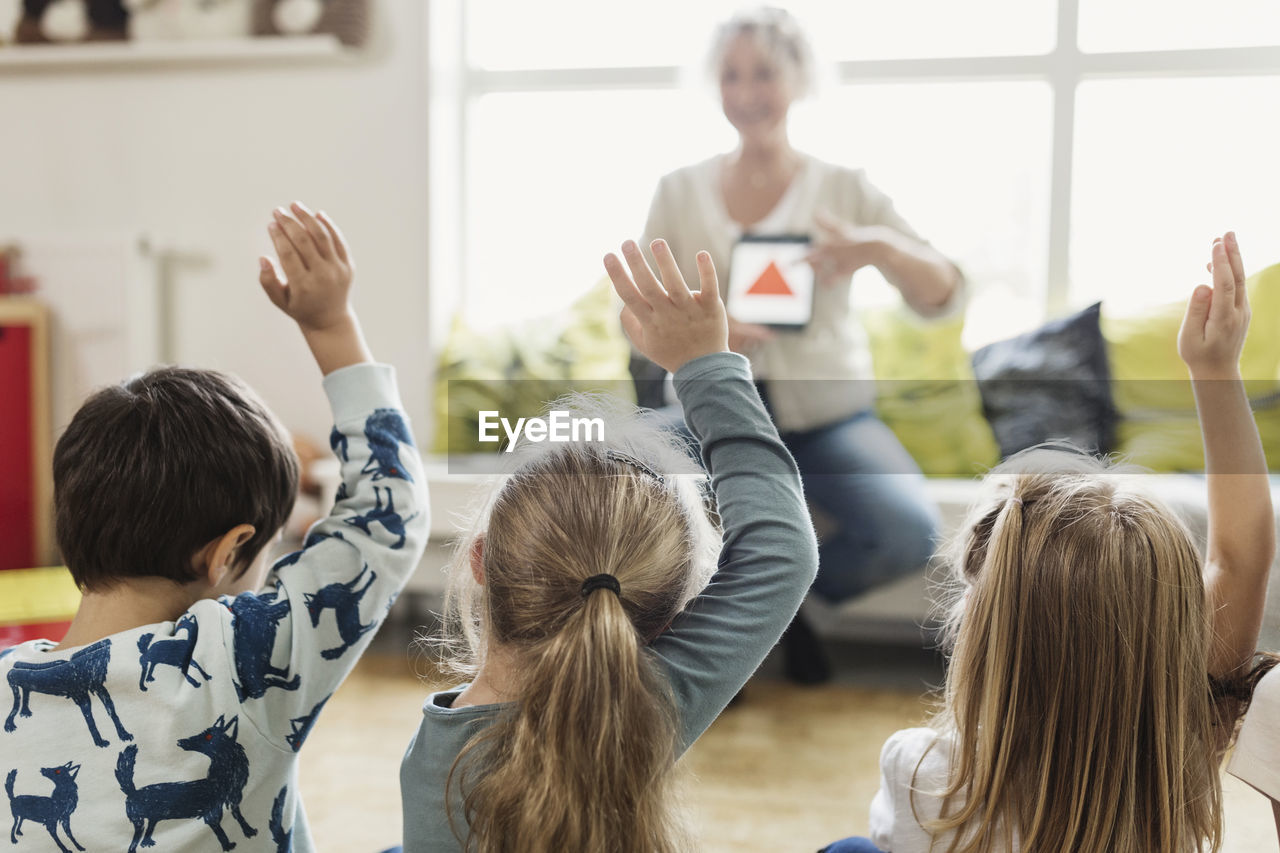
[584,758]
[781,36]
[1078,697]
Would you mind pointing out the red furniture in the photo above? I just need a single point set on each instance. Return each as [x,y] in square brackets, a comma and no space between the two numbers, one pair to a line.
[26,489]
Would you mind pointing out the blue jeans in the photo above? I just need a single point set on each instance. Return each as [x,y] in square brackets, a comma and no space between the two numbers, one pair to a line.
[851,845]
[859,476]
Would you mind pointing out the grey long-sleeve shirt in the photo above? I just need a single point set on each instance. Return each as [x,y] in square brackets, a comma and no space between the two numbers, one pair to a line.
[767,562]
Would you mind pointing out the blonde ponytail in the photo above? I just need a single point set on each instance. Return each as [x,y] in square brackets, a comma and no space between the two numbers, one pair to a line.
[1077,701]
[585,760]
[589,552]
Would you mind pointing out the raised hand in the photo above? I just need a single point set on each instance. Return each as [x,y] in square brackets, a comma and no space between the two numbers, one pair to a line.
[317,267]
[316,289]
[670,324]
[1217,319]
[1241,535]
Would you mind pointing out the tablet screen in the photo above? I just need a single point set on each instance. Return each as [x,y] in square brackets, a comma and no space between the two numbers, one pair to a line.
[769,281]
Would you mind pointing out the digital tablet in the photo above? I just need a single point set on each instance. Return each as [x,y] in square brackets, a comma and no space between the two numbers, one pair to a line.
[770,283]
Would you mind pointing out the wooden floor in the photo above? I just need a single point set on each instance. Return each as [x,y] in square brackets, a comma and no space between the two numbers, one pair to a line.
[786,769]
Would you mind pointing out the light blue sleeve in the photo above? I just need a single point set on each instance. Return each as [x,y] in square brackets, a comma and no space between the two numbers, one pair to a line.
[293,642]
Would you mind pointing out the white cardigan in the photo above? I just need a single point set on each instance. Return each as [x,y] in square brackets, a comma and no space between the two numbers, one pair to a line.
[1256,758]
[688,212]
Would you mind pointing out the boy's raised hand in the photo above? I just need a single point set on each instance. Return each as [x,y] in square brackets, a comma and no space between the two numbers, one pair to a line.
[670,324]
[1217,319]
[315,293]
[316,265]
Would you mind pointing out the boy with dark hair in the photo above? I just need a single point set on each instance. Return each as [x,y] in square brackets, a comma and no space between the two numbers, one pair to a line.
[172,711]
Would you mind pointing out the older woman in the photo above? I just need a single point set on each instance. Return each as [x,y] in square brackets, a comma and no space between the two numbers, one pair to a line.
[856,473]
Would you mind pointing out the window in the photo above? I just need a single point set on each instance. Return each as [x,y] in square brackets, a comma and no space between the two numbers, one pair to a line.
[1053,174]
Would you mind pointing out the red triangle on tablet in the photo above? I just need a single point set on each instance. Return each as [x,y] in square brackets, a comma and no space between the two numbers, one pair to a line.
[770,283]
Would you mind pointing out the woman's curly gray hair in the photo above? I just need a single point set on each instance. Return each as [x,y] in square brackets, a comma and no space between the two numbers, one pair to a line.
[779,33]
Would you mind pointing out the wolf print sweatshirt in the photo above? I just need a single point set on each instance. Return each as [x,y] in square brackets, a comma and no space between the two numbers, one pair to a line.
[186,733]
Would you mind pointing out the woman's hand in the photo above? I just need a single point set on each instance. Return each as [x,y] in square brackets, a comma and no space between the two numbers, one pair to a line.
[843,248]
[670,325]
[746,338]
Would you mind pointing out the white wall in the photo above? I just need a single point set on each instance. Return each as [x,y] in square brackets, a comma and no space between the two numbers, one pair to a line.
[197,158]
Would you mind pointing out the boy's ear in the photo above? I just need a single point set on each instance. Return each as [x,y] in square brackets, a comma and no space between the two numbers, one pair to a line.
[215,560]
[477,559]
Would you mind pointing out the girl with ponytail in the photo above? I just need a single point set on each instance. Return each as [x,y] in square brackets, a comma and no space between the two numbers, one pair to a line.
[1098,664]
[594,649]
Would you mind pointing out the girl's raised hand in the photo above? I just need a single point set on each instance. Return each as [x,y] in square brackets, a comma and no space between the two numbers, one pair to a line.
[1217,319]
[670,324]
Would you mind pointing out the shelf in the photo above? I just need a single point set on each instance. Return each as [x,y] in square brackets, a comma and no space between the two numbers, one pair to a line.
[191,53]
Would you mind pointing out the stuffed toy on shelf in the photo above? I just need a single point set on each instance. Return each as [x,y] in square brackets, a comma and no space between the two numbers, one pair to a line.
[51,21]
[166,20]
[348,20]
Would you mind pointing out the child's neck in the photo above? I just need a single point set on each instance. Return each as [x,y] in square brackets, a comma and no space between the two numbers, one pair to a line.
[493,683]
[124,606]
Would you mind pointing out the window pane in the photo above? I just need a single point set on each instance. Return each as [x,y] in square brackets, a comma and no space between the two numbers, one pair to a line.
[1162,167]
[910,29]
[556,179]
[981,197]
[967,164]
[589,34]
[1131,25]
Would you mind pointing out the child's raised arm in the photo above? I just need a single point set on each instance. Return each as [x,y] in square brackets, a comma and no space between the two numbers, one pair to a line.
[318,270]
[1241,522]
[769,555]
[670,325]
[295,640]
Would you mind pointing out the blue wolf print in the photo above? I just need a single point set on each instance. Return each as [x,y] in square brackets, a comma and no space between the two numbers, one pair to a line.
[49,811]
[204,799]
[253,623]
[294,556]
[287,560]
[173,651]
[77,678]
[316,538]
[344,598]
[385,430]
[384,515]
[302,725]
[283,840]
[338,443]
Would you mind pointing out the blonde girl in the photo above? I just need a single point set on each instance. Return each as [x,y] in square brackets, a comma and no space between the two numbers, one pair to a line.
[595,654]
[1093,681]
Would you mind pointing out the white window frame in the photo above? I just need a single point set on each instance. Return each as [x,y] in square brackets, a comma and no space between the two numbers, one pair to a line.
[455,87]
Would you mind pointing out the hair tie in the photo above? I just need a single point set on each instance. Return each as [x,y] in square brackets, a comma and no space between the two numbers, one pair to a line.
[625,459]
[595,582]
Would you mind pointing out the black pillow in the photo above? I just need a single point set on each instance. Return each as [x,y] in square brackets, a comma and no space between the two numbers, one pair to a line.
[1050,384]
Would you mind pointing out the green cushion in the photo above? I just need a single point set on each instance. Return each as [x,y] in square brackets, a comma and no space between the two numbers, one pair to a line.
[927,394]
[517,370]
[1158,424]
